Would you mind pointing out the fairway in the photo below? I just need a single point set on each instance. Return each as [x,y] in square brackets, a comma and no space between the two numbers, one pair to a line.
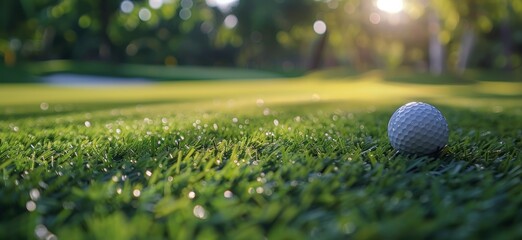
[296,158]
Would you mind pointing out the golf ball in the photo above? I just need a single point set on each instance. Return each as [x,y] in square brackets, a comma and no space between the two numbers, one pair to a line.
[418,128]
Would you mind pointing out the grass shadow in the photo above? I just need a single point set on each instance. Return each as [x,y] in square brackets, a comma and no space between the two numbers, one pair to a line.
[493,75]
[15,74]
[427,78]
[32,111]
[152,72]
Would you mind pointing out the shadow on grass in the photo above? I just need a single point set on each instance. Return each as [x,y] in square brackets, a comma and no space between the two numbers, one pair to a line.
[152,72]
[469,77]
[429,79]
[497,96]
[32,111]
[15,74]
[494,75]
[336,73]
[411,77]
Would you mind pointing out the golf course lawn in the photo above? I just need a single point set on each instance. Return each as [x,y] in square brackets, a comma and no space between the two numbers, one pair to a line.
[297,158]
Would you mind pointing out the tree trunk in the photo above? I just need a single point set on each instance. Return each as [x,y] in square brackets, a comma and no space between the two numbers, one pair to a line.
[505,34]
[105,49]
[466,46]
[436,50]
[318,52]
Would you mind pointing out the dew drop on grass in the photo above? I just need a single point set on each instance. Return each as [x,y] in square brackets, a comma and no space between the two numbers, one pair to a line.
[199,212]
[44,106]
[34,194]
[260,190]
[260,102]
[136,193]
[261,179]
[87,124]
[276,122]
[191,195]
[30,205]
[148,121]
[118,190]
[115,178]
[41,231]
[148,173]
[228,194]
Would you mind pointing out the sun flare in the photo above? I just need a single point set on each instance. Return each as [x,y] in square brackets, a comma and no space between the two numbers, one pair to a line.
[390,6]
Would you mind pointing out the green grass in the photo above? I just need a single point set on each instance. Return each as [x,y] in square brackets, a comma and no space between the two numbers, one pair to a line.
[304,158]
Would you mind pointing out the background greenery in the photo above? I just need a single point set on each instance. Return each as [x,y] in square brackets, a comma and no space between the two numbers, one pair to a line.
[275,34]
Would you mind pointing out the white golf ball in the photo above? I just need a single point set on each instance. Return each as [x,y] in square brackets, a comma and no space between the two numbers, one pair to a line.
[418,128]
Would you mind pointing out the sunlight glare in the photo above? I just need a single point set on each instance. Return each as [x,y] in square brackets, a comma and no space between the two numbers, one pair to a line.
[319,27]
[155,4]
[223,5]
[390,6]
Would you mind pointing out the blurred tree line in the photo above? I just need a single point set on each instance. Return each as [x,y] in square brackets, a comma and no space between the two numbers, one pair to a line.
[426,35]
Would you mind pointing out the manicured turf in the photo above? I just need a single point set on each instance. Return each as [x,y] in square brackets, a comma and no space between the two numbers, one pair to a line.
[277,159]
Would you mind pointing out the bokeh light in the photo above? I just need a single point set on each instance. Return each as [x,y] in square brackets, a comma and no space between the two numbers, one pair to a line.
[223,5]
[230,21]
[145,14]
[375,18]
[126,6]
[185,14]
[155,4]
[390,6]
[319,27]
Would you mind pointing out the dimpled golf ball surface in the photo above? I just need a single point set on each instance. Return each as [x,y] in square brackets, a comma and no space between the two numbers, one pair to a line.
[418,128]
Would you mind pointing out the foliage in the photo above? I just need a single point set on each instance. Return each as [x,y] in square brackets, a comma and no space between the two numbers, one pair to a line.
[275,34]
[295,158]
